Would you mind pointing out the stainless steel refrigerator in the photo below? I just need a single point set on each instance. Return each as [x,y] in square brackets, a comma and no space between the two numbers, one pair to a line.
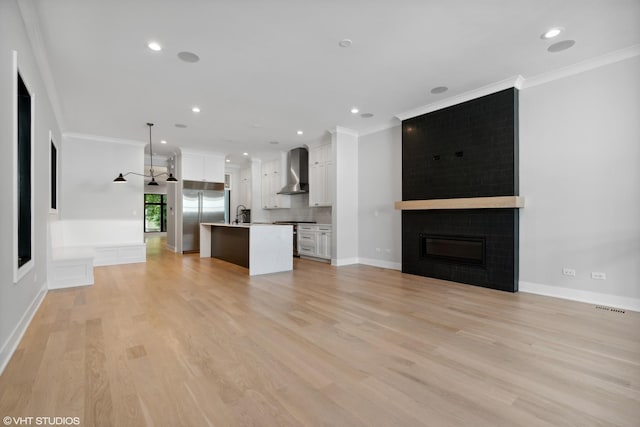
[201,202]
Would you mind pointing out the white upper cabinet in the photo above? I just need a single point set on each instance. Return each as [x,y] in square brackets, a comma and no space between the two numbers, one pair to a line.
[320,176]
[244,187]
[272,182]
[203,167]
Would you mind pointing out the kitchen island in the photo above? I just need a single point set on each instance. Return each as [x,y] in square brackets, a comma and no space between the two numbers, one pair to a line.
[262,248]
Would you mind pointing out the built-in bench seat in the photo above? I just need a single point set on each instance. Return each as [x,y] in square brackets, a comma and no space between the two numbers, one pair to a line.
[79,245]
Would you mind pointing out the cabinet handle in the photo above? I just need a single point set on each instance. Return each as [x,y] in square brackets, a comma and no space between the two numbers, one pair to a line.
[316,204]
[316,163]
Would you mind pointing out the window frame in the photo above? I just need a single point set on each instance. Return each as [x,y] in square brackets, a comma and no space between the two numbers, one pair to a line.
[54,176]
[20,271]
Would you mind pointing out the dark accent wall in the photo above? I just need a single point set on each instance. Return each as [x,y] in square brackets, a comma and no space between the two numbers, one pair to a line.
[498,226]
[466,150]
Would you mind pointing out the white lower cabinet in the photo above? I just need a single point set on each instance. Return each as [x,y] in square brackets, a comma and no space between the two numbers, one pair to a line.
[314,241]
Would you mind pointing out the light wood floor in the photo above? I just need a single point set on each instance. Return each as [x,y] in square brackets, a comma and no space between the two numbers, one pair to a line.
[187,341]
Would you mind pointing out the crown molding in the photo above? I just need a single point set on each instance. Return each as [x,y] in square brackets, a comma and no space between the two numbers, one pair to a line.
[393,122]
[201,152]
[343,130]
[581,67]
[515,81]
[32,26]
[108,139]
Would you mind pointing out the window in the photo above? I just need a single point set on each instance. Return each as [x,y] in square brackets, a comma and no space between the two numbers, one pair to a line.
[155,213]
[53,154]
[24,174]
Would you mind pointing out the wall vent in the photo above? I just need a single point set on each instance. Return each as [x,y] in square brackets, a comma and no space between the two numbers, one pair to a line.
[613,309]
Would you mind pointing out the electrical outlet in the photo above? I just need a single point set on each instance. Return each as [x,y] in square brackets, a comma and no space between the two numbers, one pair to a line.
[598,276]
[569,272]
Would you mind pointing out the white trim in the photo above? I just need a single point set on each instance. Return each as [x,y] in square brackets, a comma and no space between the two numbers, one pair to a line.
[20,272]
[395,122]
[343,130]
[344,261]
[380,263]
[515,81]
[580,67]
[626,303]
[201,152]
[11,344]
[32,26]
[99,138]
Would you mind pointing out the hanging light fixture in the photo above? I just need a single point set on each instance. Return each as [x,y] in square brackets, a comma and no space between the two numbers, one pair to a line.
[120,178]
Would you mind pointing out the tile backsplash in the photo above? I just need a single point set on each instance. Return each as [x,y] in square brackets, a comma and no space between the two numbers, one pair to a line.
[300,211]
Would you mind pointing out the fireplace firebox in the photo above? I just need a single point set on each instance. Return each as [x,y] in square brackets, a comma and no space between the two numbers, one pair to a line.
[456,249]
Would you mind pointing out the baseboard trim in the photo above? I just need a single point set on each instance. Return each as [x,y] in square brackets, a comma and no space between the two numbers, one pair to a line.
[381,263]
[590,297]
[11,344]
[66,285]
[344,261]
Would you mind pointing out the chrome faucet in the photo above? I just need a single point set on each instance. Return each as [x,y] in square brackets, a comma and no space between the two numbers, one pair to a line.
[238,213]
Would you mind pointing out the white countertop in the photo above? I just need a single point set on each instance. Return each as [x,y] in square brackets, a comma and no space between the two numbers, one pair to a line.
[242,225]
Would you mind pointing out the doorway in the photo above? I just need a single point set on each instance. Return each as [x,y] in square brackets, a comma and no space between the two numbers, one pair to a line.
[155,213]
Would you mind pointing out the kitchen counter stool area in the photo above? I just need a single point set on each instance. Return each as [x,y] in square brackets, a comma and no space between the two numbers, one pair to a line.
[262,248]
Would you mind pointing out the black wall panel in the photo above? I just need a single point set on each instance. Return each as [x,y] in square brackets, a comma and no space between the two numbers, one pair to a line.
[467,150]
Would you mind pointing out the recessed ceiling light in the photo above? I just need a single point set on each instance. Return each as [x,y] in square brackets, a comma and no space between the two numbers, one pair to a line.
[188,56]
[366,115]
[227,160]
[245,154]
[551,33]
[354,110]
[560,46]
[345,43]
[196,109]
[155,46]
[300,132]
[163,142]
[439,89]
[180,125]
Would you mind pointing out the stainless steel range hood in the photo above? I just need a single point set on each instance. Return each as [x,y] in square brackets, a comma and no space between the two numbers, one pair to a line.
[297,172]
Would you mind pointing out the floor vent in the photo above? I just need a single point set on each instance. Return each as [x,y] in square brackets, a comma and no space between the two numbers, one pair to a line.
[613,309]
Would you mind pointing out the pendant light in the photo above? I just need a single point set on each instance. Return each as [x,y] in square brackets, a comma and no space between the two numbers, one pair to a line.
[120,178]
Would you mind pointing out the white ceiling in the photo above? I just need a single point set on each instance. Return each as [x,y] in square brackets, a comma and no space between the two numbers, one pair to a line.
[269,68]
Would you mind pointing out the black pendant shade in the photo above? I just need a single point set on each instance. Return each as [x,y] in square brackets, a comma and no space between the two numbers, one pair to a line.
[120,178]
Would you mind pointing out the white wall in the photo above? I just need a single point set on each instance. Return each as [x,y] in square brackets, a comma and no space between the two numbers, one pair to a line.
[18,301]
[344,147]
[580,174]
[88,191]
[379,185]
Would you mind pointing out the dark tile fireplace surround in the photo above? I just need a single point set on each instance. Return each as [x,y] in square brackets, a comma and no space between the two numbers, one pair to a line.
[468,150]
